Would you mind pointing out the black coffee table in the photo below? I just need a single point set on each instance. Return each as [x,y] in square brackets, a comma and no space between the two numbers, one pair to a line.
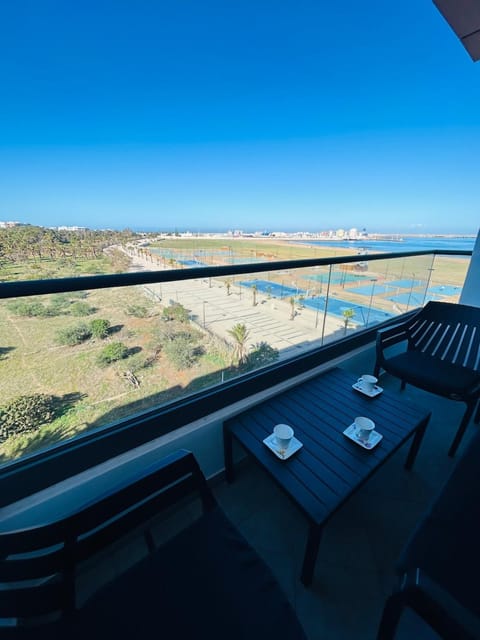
[329,467]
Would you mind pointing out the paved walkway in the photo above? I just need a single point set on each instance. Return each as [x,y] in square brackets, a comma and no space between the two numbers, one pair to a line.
[211,307]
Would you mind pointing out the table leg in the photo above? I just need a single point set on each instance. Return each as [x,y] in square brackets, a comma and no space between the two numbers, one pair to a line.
[228,455]
[417,441]
[311,552]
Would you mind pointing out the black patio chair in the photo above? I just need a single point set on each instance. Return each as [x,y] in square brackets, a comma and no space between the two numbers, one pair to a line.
[439,566]
[205,582]
[442,355]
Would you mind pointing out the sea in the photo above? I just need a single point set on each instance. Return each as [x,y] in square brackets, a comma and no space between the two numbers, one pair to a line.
[412,243]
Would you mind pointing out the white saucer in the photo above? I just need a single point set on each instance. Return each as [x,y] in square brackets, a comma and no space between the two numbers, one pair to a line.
[293,447]
[376,391]
[375,437]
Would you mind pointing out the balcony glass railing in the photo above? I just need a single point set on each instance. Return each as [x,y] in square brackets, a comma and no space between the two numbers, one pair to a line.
[82,353]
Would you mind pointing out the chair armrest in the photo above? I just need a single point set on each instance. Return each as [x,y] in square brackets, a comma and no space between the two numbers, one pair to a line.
[390,336]
[386,338]
[440,610]
[475,390]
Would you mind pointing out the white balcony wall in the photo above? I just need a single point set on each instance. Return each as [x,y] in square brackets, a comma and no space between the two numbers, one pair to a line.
[471,288]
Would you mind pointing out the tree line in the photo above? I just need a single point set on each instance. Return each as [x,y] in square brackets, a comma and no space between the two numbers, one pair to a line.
[29,242]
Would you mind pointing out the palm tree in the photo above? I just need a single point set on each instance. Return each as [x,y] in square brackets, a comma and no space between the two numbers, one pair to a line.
[239,333]
[347,316]
[292,308]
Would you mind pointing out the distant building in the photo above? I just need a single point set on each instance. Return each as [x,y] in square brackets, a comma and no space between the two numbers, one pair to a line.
[8,224]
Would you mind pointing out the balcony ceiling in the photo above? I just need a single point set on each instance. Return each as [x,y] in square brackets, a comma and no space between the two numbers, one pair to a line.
[464,18]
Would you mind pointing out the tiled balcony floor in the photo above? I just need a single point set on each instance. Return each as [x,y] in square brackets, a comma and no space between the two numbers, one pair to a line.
[355,568]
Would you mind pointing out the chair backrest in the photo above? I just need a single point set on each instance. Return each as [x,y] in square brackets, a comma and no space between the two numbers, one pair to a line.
[37,565]
[447,331]
[36,572]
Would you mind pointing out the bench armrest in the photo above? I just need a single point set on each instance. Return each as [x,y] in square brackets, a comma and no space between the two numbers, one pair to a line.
[436,606]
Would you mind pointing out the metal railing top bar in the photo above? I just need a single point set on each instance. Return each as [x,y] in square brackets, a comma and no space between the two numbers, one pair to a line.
[63,285]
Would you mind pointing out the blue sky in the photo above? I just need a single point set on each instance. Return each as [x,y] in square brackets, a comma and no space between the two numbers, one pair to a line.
[242,114]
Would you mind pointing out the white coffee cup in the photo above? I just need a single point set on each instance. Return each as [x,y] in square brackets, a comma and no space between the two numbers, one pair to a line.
[283,435]
[368,382]
[363,428]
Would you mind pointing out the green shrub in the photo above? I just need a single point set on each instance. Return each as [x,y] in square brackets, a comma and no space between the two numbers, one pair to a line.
[139,361]
[100,328]
[81,309]
[261,355]
[137,310]
[164,332]
[182,351]
[60,303]
[26,414]
[176,312]
[111,353]
[71,336]
[27,308]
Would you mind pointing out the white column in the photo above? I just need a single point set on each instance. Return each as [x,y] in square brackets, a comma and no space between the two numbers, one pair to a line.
[471,289]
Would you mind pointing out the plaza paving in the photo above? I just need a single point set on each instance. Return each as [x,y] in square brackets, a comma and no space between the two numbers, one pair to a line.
[269,320]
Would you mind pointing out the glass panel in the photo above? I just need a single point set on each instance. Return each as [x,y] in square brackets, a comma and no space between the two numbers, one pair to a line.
[81,360]
[448,276]
[195,252]
[75,361]
[396,285]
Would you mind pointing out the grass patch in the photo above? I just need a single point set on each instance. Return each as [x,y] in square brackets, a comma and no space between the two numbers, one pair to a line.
[32,362]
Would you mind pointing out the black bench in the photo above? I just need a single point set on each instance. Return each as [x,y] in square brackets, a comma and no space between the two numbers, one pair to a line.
[442,355]
[439,568]
[206,582]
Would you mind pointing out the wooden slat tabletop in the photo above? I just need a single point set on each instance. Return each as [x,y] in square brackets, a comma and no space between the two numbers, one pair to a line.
[329,467]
